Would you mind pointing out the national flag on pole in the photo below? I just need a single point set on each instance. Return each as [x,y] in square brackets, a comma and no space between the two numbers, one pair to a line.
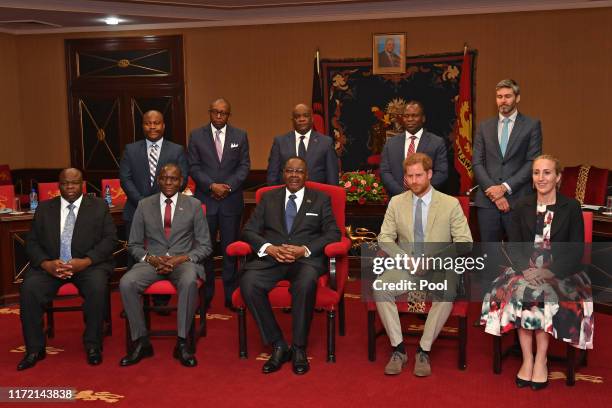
[317,98]
[463,126]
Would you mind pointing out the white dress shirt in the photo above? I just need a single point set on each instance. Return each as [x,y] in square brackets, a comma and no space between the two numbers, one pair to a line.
[64,211]
[157,142]
[297,141]
[500,125]
[221,135]
[416,141]
[299,197]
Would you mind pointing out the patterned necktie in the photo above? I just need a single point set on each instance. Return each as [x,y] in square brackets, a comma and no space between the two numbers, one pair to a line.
[153,157]
[168,218]
[411,150]
[302,148]
[290,212]
[218,144]
[503,143]
[419,236]
[66,237]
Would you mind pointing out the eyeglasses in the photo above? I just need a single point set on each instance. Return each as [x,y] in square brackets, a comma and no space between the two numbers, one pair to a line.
[215,112]
[295,171]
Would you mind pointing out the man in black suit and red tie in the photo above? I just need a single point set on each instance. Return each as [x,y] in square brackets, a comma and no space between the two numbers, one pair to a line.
[415,139]
[288,232]
[72,240]
[219,164]
[317,149]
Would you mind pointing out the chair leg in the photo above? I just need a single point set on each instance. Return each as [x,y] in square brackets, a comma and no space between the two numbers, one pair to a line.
[571,365]
[202,329]
[462,363]
[371,335]
[341,317]
[583,359]
[242,342]
[497,354]
[146,304]
[108,320]
[50,321]
[331,336]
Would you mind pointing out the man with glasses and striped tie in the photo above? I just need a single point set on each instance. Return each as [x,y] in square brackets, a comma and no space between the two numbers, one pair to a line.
[72,240]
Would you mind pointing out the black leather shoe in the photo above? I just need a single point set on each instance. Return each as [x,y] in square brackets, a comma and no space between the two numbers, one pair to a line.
[536,386]
[280,355]
[300,361]
[182,354]
[522,383]
[94,356]
[139,352]
[30,360]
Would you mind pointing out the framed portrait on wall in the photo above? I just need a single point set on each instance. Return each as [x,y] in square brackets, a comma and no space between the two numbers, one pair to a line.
[389,53]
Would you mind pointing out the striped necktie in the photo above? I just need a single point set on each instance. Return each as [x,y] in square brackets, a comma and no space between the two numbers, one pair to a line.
[153,157]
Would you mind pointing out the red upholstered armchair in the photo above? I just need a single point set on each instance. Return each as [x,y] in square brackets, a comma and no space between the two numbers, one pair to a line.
[330,288]
[588,184]
[7,196]
[459,311]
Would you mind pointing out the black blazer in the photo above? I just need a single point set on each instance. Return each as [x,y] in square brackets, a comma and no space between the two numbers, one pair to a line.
[314,226]
[233,169]
[321,158]
[391,162]
[134,171]
[567,226]
[94,233]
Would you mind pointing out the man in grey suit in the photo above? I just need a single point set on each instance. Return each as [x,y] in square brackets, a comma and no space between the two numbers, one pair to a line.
[504,149]
[169,240]
[219,163]
[415,139]
[317,149]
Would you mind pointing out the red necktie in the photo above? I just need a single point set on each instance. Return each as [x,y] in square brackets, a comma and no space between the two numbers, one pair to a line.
[411,150]
[168,217]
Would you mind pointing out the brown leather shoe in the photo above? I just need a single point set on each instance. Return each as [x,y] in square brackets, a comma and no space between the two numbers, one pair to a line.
[396,364]
[422,368]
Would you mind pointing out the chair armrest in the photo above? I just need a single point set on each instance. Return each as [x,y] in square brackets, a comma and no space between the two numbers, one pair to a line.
[238,248]
[336,249]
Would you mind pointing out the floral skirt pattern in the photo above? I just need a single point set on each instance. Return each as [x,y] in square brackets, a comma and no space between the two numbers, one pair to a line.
[564,309]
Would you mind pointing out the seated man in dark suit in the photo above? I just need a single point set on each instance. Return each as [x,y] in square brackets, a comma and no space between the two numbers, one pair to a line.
[72,240]
[287,232]
[169,240]
[316,149]
[414,139]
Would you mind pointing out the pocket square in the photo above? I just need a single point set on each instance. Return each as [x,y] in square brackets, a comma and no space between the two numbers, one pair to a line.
[312,214]
[233,145]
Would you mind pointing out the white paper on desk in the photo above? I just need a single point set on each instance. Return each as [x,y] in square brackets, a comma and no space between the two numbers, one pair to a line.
[590,207]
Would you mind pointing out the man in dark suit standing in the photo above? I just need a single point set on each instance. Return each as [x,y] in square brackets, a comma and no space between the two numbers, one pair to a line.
[72,240]
[317,149]
[176,235]
[287,232]
[219,163]
[141,162]
[414,139]
[504,149]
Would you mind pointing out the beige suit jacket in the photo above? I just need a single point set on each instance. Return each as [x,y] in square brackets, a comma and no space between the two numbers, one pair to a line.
[445,223]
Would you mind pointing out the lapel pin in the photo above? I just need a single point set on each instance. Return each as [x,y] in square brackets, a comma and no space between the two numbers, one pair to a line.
[308,201]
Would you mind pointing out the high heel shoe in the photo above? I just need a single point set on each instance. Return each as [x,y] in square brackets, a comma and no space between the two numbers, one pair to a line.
[522,383]
[536,386]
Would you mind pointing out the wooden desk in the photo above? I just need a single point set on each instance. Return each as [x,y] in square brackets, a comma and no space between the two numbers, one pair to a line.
[13,261]
[602,225]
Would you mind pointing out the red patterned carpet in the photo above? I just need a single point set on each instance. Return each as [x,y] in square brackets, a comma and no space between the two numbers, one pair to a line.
[222,379]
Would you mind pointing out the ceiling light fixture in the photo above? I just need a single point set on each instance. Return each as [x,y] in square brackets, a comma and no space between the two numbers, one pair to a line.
[111,20]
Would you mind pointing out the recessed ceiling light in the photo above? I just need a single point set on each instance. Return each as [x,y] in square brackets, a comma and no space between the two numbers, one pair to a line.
[111,20]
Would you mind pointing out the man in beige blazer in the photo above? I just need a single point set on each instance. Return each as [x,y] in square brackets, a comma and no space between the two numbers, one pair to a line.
[413,218]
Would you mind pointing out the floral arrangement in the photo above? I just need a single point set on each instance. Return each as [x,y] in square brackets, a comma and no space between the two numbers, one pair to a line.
[363,187]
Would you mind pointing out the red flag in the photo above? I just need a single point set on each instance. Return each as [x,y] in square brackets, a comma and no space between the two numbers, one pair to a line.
[463,127]
[317,98]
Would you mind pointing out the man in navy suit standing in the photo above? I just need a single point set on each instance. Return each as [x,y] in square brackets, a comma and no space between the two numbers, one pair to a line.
[504,149]
[414,139]
[316,149]
[142,161]
[219,163]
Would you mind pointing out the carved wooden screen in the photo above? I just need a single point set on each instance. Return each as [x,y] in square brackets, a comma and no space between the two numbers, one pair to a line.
[111,83]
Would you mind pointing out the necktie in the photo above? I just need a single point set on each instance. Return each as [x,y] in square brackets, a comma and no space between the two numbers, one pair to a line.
[503,143]
[290,212]
[419,236]
[218,144]
[411,150]
[302,148]
[168,217]
[66,237]
[153,157]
